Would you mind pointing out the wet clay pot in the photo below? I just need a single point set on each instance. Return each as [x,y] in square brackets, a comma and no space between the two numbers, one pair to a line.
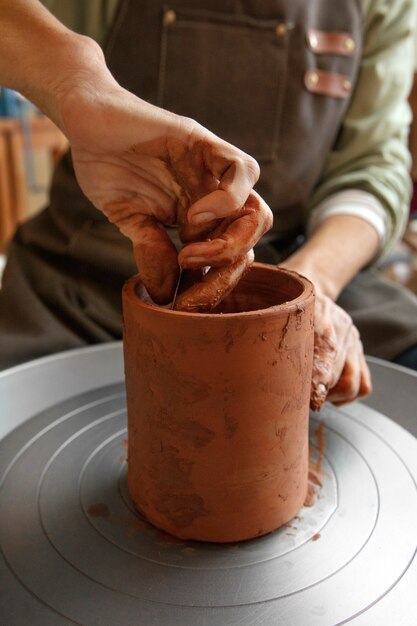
[218,408]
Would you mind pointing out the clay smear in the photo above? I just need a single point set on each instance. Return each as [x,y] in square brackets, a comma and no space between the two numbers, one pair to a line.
[315,470]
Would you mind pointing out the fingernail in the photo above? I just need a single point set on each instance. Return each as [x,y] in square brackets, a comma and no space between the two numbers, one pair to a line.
[318,396]
[321,389]
[194,260]
[200,218]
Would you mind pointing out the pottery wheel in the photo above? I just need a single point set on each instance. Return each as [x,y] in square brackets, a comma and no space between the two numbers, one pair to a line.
[74,551]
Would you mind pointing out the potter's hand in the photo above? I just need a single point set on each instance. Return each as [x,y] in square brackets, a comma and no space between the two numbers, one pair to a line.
[146,168]
[340,372]
[330,258]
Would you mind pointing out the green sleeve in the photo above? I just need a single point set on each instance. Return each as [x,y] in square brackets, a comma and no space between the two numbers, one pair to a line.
[371,152]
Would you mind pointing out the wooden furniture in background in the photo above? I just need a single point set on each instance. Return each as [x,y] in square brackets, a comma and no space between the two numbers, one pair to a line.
[44,135]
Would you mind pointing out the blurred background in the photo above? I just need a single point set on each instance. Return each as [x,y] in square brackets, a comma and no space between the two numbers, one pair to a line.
[31,146]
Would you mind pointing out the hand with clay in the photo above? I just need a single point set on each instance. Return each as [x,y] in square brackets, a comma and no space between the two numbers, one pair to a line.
[340,372]
[142,166]
[146,168]
[339,247]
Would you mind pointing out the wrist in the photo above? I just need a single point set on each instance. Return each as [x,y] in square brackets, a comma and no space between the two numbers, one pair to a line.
[337,250]
[41,58]
[323,283]
[77,74]
[67,68]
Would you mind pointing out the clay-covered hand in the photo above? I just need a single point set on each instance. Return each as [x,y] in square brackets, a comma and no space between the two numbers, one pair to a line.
[146,168]
[340,373]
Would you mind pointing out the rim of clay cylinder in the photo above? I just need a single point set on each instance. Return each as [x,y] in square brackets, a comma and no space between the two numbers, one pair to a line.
[287,306]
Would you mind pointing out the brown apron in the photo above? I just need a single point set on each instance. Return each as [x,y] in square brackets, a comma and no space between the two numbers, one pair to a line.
[241,68]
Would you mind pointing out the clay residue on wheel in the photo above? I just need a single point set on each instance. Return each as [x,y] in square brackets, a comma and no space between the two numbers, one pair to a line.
[99,510]
[315,462]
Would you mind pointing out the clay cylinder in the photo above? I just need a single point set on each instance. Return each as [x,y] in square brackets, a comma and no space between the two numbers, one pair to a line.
[218,408]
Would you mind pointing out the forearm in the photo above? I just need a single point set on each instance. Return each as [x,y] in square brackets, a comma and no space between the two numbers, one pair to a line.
[339,247]
[39,56]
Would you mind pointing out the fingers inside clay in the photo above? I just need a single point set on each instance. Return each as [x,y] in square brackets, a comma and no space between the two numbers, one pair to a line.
[214,286]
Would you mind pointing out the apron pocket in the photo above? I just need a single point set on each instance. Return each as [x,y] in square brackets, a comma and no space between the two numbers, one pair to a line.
[228,72]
